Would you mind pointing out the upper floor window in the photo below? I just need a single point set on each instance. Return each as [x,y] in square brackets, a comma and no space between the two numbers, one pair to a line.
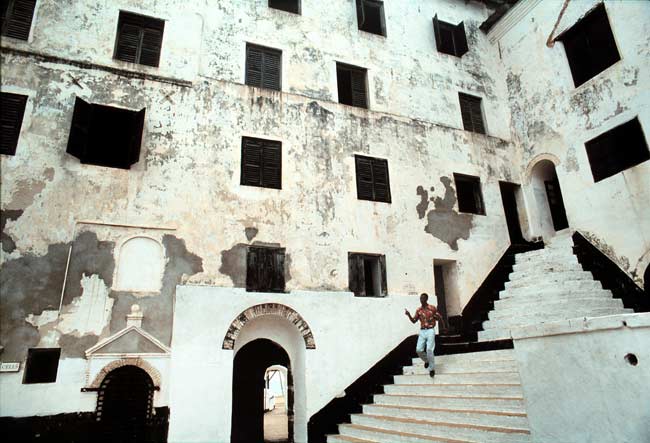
[450,39]
[42,365]
[617,150]
[286,5]
[105,136]
[261,163]
[265,269]
[372,179]
[470,111]
[351,82]
[590,46]
[263,67]
[139,39]
[468,192]
[367,275]
[12,110]
[370,16]
[17,18]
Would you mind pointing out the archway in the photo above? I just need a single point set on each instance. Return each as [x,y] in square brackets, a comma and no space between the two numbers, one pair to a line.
[646,282]
[551,215]
[125,404]
[248,390]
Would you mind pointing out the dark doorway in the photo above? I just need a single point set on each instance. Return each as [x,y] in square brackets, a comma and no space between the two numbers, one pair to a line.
[509,198]
[249,369]
[646,282]
[124,405]
[556,203]
[439,282]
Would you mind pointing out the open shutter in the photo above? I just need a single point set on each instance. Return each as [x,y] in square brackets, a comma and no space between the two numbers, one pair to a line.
[380,179]
[477,116]
[251,162]
[128,42]
[80,129]
[356,275]
[12,110]
[460,39]
[382,17]
[361,13]
[478,199]
[272,67]
[254,64]
[278,270]
[136,137]
[382,266]
[252,269]
[17,21]
[272,165]
[358,80]
[436,32]
[465,111]
[151,46]
[364,178]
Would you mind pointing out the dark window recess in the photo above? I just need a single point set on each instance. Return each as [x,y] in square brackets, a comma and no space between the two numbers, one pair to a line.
[12,110]
[263,67]
[139,39]
[352,85]
[590,46]
[105,136]
[367,275]
[42,365]
[468,192]
[450,39]
[470,111]
[265,269]
[370,16]
[286,5]
[261,163]
[372,179]
[17,18]
[617,150]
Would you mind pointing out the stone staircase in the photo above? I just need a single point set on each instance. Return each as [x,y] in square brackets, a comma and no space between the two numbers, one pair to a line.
[548,285]
[474,398]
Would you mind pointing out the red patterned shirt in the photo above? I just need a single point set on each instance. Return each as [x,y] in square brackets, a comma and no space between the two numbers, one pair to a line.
[427,316]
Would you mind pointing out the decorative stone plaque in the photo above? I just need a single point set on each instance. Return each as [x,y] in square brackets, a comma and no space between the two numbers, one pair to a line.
[10,367]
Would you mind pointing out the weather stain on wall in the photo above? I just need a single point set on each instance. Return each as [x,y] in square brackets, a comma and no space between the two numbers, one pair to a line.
[444,223]
[8,244]
[422,207]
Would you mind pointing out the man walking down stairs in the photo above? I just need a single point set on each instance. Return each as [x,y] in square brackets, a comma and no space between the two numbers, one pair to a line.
[474,398]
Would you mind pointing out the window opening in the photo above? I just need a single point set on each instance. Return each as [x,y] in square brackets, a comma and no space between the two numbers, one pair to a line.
[372,179]
[265,269]
[17,18]
[12,110]
[352,86]
[139,39]
[42,365]
[468,191]
[450,39]
[263,67]
[367,275]
[292,6]
[470,111]
[370,16]
[261,163]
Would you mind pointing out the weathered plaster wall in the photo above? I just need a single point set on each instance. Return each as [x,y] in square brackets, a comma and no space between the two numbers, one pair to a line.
[551,116]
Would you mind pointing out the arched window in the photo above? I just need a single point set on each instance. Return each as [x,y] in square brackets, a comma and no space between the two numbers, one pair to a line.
[140,266]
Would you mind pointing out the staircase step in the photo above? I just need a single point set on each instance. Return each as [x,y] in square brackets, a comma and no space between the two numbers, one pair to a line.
[484,434]
[457,416]
[494,334]
[498,404]
[532,301]
[459,378]
[553,287]
[463,389]
[536,318]
[558,293]
[518,279]
[463,366]
[544,255]
[547,266]
[338,438]
[551,309]
[498,355]
[389,436]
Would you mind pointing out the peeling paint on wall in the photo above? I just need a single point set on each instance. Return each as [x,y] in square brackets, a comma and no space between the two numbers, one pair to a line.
[446,224]
[6,215]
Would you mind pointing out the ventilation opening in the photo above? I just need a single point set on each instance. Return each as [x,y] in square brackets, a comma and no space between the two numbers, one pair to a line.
[631,359]
[42,365]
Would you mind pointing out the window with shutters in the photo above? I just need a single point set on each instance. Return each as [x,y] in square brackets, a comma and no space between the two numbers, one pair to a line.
[367,275]
[17,18]
[105,136]
[370,16]
[469,195]
[616,150]
[450,39]
[12,110]
[470,111]
[139,39]
[42,365]
[286,5]
[590,46]
[263,67]
[352,85]
[265,269]
[372,179]
[261,163]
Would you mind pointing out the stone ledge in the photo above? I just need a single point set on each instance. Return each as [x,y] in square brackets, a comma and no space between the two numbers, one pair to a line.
[582,325]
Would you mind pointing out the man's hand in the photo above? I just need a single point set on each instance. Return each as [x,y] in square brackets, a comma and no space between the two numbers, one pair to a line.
[408,314]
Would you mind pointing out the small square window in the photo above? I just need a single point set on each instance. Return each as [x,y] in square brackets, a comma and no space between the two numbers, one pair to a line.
[617,150]
[367,275]
[468,192]
[470,111]
[370,16]
[292,6]
[12,110]
[372,179]
[17,18]
[42,365]
[139,39]
[263,67]
[105,136]
[352,86]
[261,163]
[265,269]
[450,39]
[590,46]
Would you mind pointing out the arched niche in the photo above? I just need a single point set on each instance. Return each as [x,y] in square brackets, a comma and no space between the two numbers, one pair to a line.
[140,265]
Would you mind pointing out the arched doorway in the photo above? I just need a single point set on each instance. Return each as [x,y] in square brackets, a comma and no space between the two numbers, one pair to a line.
[249,386]
[551,215]
[646,282]
[125,404]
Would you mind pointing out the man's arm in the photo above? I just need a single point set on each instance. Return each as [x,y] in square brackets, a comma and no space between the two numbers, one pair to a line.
[440,319]
[408,314]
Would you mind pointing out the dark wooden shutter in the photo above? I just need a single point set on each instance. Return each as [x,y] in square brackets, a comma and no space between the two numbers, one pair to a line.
[251,162]
[358,81]
[272,68]
[12,111]
[277,256]
[465,112]
[263,67]
[460,40]
[128,43]
[252,269]
[477,116]
[382,17]
[17,18]
[381,184]
[80,129]
[356,278]
[272,165]
[254,64]
[151,46]
[470,109]
[382,269]
[364,178]
[436,32]
[136,137]
[361,13]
